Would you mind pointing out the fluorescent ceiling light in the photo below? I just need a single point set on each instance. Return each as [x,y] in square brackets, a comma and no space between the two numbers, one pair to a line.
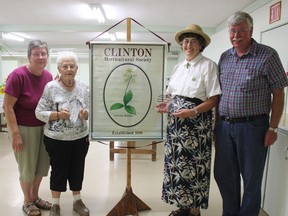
[25,36]
[98,12]
[11,36]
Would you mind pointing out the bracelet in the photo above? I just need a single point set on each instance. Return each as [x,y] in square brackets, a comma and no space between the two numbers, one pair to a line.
[196,111]
[57,116]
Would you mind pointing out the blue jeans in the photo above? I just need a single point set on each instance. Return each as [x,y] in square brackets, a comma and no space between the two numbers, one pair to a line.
[239,152]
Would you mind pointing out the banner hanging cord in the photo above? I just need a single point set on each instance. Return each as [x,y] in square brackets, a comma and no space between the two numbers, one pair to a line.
[169,44]
[106,31]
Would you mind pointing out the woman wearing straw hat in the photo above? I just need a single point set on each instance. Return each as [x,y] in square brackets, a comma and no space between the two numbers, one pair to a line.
[193,91]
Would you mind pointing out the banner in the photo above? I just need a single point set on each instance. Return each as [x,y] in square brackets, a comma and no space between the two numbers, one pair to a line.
[126,82]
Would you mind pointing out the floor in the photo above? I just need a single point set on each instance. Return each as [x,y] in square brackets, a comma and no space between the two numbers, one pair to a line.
[104,184]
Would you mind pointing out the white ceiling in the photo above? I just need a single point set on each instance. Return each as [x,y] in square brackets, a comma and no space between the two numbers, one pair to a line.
[66,23]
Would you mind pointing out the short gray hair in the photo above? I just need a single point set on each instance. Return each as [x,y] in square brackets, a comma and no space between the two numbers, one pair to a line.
[239,17]
[36,44]
[66,55]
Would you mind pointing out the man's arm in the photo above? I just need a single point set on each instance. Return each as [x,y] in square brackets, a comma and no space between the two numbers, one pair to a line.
[276,113]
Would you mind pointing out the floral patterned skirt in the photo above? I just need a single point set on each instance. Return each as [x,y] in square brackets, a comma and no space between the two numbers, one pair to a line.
[187,161]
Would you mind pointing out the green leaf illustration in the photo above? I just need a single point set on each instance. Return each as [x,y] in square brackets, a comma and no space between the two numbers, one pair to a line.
[128,97]
[130,109]
[116,106]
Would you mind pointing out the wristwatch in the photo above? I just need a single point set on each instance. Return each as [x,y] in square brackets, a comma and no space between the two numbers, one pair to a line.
[275,130]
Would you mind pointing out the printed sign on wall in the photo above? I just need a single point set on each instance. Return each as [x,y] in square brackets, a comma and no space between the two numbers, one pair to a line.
[126,80]
[275,12]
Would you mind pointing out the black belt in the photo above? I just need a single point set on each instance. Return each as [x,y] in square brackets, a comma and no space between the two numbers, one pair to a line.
[197,101]
[242,119]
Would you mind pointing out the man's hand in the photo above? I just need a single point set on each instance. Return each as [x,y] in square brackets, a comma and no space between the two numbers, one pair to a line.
[270,138]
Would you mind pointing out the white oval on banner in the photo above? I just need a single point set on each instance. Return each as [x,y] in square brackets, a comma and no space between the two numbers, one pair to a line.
[127,95]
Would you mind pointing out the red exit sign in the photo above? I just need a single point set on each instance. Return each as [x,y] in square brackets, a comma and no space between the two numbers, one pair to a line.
[275,12]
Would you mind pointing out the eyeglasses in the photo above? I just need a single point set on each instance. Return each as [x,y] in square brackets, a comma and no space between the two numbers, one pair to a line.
[239,31]
[193,41]
[66,67]
[37,55]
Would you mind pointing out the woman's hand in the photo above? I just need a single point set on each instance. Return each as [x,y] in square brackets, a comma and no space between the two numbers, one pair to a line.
[17,143]
[162,107]
[83,114]
[184,113]
[64,114]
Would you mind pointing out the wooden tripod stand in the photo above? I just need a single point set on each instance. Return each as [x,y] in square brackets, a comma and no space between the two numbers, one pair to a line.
[129,204]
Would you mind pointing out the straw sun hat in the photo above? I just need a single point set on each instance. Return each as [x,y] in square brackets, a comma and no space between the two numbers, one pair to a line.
[193,28]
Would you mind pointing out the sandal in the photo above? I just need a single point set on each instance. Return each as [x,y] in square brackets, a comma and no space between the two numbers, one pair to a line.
[55,210]
[180,212]
[31,210]
[42,204]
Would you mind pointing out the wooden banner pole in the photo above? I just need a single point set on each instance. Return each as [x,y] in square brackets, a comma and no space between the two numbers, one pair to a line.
[129,204]
[128,31]
[128,158]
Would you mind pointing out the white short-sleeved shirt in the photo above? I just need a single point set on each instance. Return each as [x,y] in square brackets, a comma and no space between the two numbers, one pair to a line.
[198,80]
